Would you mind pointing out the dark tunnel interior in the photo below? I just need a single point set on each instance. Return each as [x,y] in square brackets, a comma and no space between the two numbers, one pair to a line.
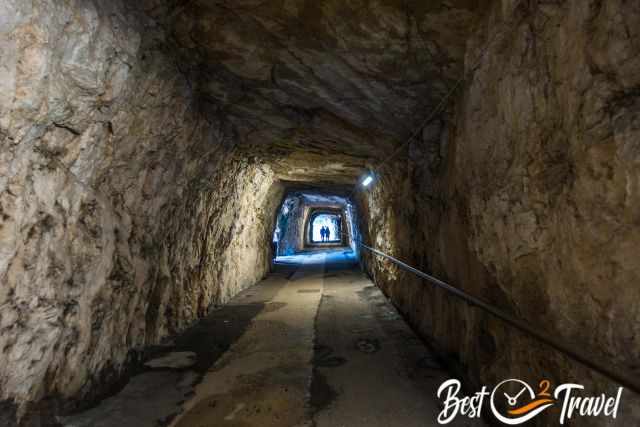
[319,213]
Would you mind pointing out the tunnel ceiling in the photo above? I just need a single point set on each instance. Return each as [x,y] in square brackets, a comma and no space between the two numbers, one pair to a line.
[319,88]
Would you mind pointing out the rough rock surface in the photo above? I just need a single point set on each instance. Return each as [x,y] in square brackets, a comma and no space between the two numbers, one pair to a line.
[319,87]
[529,199]
[125,212]
[142,145]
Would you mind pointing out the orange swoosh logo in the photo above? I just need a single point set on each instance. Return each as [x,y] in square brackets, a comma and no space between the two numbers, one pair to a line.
[530,407]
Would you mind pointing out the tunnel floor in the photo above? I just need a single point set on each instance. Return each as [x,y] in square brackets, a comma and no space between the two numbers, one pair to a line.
[315,343]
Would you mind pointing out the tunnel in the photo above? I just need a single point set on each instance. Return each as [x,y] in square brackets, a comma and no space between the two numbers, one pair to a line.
[169,168]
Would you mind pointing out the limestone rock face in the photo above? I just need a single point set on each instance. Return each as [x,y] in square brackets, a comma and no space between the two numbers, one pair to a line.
[329,83]
[125,213]
[529,199]
[145,147]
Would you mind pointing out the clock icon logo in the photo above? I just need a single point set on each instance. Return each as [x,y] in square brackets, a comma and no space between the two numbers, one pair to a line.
[522,406]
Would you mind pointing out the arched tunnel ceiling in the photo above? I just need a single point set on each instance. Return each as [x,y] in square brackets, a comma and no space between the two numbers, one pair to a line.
[319,88]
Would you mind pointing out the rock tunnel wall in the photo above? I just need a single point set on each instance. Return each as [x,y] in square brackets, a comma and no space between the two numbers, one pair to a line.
[290,225]
[529,198]
[123,184]
[126,213]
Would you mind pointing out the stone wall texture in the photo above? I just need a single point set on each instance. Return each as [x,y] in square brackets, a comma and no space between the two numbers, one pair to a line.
[529,198]
[123,209]
[144,148]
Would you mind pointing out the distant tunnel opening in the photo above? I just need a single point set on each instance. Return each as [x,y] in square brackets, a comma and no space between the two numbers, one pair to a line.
[325,228]
[314,221]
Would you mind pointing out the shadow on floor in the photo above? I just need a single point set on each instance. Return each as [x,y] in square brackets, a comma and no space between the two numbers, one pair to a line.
[154,393]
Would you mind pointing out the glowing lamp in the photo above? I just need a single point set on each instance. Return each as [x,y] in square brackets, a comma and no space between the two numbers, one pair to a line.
[368,180]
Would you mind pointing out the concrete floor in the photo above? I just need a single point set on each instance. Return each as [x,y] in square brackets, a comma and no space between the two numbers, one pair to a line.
[316,343]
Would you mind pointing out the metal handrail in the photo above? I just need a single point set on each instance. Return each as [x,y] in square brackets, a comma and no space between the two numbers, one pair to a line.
[617,374]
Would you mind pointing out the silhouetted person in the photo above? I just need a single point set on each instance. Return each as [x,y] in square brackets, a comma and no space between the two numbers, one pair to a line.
[322,233]
[327,233]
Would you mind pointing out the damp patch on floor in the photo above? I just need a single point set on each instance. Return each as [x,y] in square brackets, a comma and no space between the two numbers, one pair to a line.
[368,345]
[323,357]
[174,360]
